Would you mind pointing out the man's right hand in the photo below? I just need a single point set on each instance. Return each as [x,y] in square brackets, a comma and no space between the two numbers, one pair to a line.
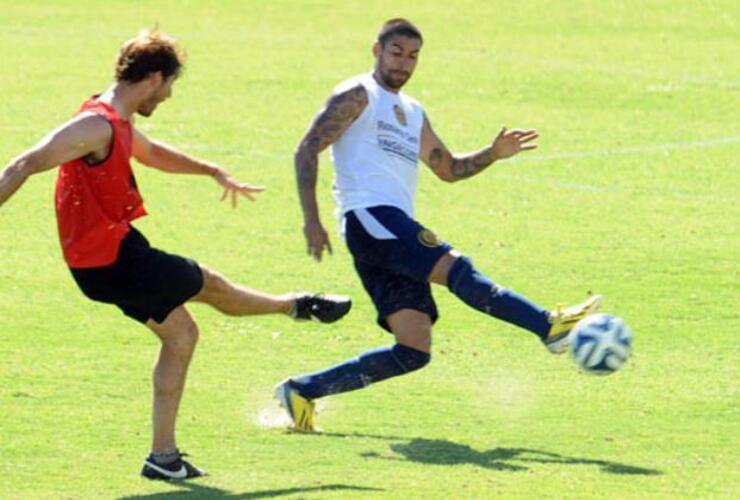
[316,238]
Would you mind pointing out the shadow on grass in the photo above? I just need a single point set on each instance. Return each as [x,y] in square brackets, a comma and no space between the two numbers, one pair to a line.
[380,437]
[192,489]
[441,452]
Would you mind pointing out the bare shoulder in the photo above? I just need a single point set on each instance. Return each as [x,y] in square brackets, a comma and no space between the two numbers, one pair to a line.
[80,136]
[88,124]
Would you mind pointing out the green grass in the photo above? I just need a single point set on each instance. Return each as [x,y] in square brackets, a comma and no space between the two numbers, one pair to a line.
[656,231]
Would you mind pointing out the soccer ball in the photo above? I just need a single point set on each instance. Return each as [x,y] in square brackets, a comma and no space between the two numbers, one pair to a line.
[600,343]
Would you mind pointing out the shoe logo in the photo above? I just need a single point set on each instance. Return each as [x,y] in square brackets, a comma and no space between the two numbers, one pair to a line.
[172,474]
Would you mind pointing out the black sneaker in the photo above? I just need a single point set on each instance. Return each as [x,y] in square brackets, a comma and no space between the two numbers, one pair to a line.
[319,307]
[179,469]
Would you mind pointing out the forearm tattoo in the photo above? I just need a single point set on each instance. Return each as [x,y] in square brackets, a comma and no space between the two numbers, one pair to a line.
[441,160]
[307,163]
[436,157]
[470,165]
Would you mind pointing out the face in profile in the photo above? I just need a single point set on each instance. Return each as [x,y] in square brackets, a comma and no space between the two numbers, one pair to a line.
[160,92]
[396,60]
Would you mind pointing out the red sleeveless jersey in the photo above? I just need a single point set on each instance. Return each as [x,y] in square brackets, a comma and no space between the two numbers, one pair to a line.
[95,203]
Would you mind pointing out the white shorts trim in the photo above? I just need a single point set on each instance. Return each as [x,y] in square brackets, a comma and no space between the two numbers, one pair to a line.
[373,226]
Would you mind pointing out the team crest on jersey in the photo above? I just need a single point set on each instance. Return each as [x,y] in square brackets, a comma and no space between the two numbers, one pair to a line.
[400,115]
[428,238]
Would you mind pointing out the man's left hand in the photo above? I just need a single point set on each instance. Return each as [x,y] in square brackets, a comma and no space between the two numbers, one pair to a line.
[510,142]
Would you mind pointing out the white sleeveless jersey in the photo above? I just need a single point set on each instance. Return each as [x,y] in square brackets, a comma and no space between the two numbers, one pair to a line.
[376,159]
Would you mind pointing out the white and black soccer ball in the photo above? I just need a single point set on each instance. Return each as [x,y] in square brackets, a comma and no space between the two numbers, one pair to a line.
[600,343]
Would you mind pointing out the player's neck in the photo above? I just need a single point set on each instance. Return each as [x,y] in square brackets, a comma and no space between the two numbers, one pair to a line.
[123,98]
[382,84]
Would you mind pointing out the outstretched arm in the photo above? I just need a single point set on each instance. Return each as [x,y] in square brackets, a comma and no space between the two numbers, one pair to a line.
[328,126]
[84,134]
[454,167]
[164,157]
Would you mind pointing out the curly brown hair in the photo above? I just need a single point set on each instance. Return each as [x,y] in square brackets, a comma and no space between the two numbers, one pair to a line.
[150,51]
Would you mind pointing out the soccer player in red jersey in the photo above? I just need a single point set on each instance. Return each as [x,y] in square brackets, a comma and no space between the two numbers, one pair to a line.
[97,199]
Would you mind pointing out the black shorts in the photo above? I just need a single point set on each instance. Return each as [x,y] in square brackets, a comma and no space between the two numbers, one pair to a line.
[145,283]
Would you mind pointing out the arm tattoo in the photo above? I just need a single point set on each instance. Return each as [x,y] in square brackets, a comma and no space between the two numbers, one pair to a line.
[339,113]
[307,162]
[471,164]
[331,122]
[435,158]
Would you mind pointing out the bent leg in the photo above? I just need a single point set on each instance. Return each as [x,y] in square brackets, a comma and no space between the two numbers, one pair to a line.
[412,329]
[413,334]
[472,287]
[179,335]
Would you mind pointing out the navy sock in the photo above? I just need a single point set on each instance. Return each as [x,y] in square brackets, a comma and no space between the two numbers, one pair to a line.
[356,373]
[482,294]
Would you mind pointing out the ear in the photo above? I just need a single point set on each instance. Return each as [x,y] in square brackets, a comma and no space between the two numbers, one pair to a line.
[377,48]
[155,78]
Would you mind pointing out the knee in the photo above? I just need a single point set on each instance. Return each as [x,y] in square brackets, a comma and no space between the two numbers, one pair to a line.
[212,281]
[177,350]
[191,334]
[183,341]
[464,280]
[410,359]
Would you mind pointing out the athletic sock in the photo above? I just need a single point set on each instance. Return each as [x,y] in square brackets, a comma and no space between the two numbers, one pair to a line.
[166,457]
[293,312]
[482,294]
[370,367]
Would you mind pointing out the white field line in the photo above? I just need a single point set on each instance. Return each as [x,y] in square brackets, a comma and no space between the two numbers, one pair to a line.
[631,150]
[634,150]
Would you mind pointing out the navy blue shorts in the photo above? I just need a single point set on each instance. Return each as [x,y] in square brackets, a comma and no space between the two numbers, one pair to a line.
[394,256]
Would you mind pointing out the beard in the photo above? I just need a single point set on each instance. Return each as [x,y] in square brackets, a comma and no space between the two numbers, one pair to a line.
[395,79]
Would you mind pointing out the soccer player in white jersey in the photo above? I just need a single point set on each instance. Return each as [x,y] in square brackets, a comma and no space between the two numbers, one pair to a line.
[378,134]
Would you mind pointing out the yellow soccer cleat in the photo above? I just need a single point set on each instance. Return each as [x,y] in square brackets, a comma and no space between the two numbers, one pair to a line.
[562,322]
[302,411]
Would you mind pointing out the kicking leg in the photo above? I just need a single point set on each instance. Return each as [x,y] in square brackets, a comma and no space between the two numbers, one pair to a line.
[479,292]
[237,300]
[462,278]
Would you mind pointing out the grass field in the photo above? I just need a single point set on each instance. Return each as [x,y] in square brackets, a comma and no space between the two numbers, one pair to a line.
[633,193]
